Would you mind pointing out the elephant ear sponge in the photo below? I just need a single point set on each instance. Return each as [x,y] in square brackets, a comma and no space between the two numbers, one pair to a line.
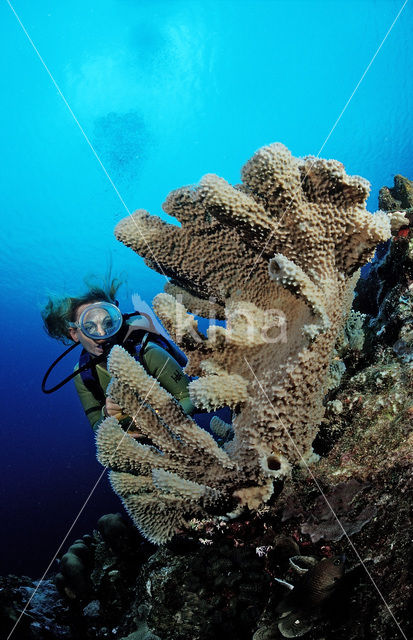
[277,257]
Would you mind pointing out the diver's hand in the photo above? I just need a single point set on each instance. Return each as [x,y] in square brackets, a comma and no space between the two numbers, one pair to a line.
[111,408]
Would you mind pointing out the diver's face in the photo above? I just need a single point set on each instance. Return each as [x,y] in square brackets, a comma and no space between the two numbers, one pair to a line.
[94,347]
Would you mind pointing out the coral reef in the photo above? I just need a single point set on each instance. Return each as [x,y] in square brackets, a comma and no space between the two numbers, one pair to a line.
[225,586]
[47,616]
[278,257]
[92,601]
[226,578]
[392,268]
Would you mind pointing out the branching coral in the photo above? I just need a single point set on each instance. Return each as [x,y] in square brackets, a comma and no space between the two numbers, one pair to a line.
[277,256]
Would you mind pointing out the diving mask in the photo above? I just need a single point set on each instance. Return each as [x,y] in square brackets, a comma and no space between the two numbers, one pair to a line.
[99,321]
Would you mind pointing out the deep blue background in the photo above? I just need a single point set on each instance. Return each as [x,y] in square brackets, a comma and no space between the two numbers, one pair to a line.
[166,92]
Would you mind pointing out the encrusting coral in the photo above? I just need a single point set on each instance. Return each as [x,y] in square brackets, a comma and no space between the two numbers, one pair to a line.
[277,257]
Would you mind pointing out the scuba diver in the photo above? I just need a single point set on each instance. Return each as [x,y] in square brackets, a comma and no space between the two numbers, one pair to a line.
[95,322]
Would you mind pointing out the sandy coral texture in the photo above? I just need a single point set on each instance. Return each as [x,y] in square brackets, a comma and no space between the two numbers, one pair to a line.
[276,257]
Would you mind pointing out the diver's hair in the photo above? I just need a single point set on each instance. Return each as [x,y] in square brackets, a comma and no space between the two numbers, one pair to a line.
[58,312]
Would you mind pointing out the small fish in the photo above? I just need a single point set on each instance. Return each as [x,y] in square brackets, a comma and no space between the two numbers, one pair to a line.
[298,609]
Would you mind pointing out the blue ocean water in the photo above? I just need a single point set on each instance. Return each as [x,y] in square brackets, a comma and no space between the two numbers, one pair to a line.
[165,91]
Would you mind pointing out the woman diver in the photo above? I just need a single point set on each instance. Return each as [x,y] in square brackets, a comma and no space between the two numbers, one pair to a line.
[95,322]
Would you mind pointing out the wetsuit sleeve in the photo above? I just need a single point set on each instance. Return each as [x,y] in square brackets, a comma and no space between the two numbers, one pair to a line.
[91,406]
[168,372]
